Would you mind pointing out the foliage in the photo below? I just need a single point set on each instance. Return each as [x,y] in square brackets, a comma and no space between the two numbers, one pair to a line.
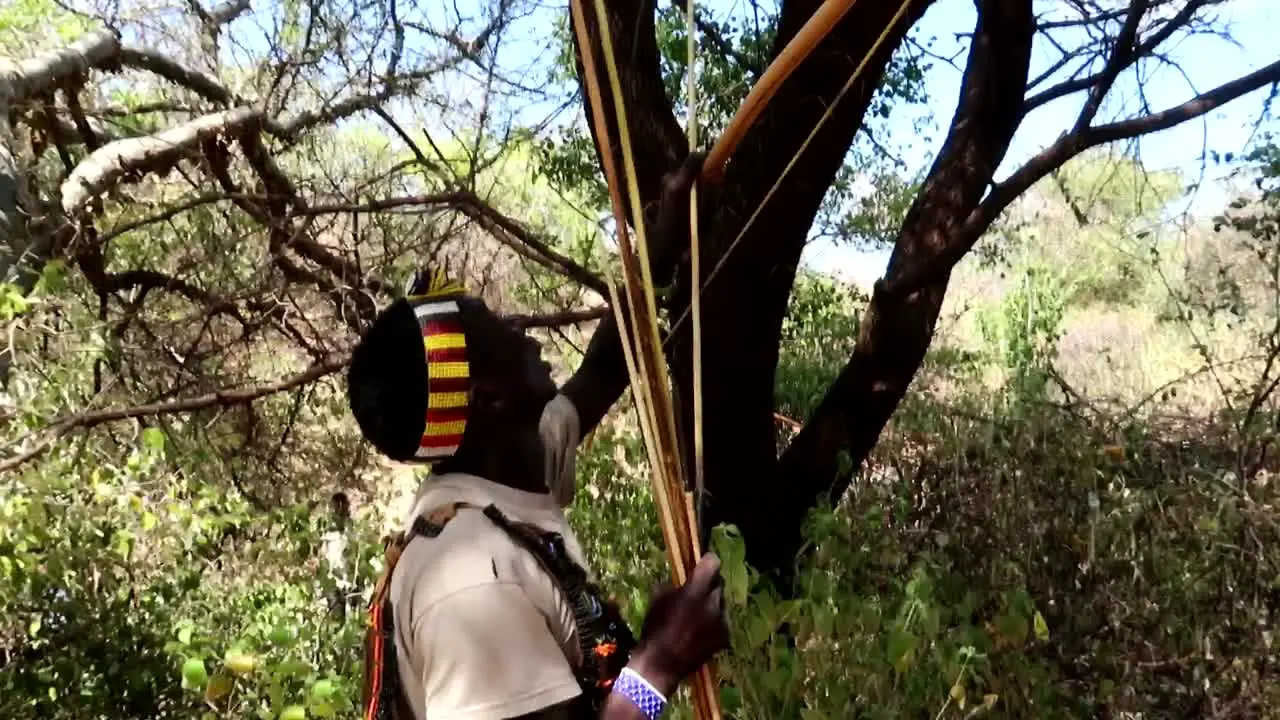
[1008,549]
[817,336]
[127,592]
[870,196]
[28,26]
[1024,330]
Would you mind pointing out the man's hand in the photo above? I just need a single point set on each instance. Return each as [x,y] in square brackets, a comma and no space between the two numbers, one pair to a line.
[685,628]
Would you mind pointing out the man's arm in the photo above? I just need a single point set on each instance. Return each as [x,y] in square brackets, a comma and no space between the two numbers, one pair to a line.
[615,708]
[600,379]
[683,629]
[602,376]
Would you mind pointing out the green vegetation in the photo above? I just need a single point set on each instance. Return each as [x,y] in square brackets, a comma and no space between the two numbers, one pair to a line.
[1073,512]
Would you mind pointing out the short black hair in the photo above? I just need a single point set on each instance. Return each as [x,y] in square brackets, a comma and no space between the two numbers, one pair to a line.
[387,382]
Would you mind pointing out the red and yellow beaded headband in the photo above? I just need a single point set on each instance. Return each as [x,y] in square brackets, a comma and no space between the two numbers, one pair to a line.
[448,373]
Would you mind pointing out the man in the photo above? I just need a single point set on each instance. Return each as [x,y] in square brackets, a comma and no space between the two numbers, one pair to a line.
[490,612]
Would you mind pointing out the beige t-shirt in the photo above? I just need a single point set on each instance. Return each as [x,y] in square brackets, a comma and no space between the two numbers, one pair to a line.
[482,632]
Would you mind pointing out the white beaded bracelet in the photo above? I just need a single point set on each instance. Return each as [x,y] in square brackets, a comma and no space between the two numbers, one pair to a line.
[632,685]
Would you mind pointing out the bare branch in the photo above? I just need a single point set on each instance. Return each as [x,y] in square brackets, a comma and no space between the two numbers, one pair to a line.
[519,238]
[195,81]
[1193,108]
[220,398]
[1054,156]
[1123,54]
[558,319]
[227,12]
[135,157]
[19,82]
[1060,24]
[39,75]
[1114,68]
[167,214]
[279,184]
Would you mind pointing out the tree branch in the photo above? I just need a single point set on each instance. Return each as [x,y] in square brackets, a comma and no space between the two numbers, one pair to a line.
[41,74]
[1123,54]
[658,142]
[558,319]
[278,184]
[220,398]
[515,236]
[133,158]
[195,81]
[1068,146]
[226,12]
[18,83]
[897,328]
[1114,67]
[711,36]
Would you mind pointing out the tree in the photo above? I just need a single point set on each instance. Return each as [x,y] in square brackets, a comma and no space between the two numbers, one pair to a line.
[766,494]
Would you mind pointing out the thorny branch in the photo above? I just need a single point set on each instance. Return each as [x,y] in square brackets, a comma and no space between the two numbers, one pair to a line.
[234,141]
[221,398]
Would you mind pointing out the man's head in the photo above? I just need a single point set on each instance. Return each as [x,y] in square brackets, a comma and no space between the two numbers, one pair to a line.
[440,362]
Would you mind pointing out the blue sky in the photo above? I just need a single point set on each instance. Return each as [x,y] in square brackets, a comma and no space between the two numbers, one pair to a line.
[1206,61]
[1203,62]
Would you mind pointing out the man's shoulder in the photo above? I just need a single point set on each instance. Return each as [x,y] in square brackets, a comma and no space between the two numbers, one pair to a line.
[464,554]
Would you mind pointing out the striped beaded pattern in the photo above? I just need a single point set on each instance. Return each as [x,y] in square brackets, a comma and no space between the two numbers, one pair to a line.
[448,378]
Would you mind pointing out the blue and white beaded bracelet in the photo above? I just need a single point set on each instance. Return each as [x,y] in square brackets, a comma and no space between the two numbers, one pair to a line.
[632,686]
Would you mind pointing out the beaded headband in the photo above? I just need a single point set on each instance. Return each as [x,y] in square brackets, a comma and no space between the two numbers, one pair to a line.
[448,373]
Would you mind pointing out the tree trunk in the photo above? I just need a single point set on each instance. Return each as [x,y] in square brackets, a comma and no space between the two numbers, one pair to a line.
[747,484]
[898,326]
[744,309]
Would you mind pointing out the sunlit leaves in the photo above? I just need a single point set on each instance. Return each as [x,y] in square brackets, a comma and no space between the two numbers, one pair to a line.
[194,674]
[864,204]
[818,333]
[30,26]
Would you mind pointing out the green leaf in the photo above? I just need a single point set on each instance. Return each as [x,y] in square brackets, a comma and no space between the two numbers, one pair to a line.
[52,277]
[823,621]
[901,647]
[153,439]
[323,689]
[728,545]
[292,667]
[1041,627]
[12,301]
[282,635]
[730,700]
[758,630]
[194,674]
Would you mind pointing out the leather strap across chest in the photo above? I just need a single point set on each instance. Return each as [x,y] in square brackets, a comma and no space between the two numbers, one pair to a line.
[605,642]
